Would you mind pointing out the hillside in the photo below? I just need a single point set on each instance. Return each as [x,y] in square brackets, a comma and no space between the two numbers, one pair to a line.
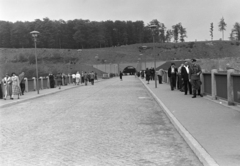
[60,59]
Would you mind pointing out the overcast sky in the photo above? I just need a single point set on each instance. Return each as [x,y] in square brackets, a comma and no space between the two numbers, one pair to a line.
[195,15]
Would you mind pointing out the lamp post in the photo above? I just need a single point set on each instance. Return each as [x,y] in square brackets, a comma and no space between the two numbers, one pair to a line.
[153,27]
[34,35]
[110,67]
[105,61]
[139,61]
[142,49]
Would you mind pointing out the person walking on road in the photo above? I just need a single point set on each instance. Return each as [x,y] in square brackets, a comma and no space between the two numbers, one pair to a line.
[92,77]
[78,78]
[15,86]
[148,75]
[160,74]
[185,78]
[120,75]
[194,75]
[59,80]
[172,74]
[74,78]
[85,78]
[7,81]
[52,81]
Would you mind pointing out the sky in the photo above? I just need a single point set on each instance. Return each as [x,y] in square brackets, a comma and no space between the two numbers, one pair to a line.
[195,15]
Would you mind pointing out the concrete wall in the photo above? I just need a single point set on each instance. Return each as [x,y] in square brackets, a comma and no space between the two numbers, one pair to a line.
[115,68]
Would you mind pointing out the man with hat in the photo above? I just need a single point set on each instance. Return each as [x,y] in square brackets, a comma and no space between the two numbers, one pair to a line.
[194,75]
[172,74]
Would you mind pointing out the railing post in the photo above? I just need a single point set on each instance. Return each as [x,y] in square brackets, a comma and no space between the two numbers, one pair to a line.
[48,82]
[214,86]
[26,84]
[230,92]
[41,78]
[34,84]
[202,80]
[62,81]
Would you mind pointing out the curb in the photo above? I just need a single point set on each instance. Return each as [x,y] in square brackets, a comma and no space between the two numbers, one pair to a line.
[199,151]
[41,95]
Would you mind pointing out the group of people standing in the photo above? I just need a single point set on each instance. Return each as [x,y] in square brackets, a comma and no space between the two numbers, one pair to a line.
[188,75]
[84,77]
[12,86]
[150,74]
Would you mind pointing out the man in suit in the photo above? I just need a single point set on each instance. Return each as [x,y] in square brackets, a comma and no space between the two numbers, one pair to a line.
[185,78]
[172,74]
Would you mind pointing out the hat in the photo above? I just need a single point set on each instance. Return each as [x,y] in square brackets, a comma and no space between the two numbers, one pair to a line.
[194,60]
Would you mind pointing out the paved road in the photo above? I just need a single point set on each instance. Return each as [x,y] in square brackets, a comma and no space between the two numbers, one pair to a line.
[111,123]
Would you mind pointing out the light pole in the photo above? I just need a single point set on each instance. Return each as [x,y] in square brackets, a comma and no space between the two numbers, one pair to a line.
[143,49]
[105,61]
[153,27]
[34,35]
[110,67]
[141,61]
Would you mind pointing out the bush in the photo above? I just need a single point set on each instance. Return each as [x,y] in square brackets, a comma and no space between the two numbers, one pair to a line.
[191,44]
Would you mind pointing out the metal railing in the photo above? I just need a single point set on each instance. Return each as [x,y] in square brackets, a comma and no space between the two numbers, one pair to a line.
[219,85]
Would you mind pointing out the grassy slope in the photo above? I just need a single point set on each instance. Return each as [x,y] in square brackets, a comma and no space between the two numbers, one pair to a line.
[56,59]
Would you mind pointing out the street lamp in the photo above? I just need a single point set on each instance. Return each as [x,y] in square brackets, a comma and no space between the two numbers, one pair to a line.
[142,49]
[105,61]
[110,67]
[139,61]
[153,27]
[34,35]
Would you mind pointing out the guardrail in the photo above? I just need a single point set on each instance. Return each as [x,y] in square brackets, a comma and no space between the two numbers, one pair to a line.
[219,85]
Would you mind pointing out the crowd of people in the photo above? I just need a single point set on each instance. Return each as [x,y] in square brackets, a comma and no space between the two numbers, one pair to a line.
[13,85]
[185,78]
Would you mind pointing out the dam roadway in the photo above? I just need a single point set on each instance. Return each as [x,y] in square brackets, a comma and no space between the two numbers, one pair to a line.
[115,123]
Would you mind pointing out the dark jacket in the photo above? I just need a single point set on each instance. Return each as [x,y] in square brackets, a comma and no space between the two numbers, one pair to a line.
[170,74]
[184,73]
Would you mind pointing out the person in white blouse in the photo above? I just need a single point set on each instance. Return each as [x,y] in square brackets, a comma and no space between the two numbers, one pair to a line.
[78,78]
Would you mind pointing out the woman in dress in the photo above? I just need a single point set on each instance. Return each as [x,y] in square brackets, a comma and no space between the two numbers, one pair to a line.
[15,86]
[78,78]
[7,81]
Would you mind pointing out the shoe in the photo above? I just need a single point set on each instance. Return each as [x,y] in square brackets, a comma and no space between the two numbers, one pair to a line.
[200,95]
[4,98]
[185,94]
[11,98]
[194,96]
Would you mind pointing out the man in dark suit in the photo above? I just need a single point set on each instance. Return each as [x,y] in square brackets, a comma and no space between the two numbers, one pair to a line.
[172,74]
[185,78]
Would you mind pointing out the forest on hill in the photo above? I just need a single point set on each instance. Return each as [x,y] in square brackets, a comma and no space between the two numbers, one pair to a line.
[78,33]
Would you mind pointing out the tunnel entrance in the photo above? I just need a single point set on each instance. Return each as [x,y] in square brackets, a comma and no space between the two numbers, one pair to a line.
[130,70]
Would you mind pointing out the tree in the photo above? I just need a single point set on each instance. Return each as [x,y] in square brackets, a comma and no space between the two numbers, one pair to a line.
[183,32]
[169,35]
[222,26]
[211,31]
[236,31]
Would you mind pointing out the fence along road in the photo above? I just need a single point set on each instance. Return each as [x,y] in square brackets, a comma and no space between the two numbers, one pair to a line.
[111,123]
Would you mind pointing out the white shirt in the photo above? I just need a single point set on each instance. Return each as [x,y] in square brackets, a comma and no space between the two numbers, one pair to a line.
[187,69]
[73,76]
[78,75]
